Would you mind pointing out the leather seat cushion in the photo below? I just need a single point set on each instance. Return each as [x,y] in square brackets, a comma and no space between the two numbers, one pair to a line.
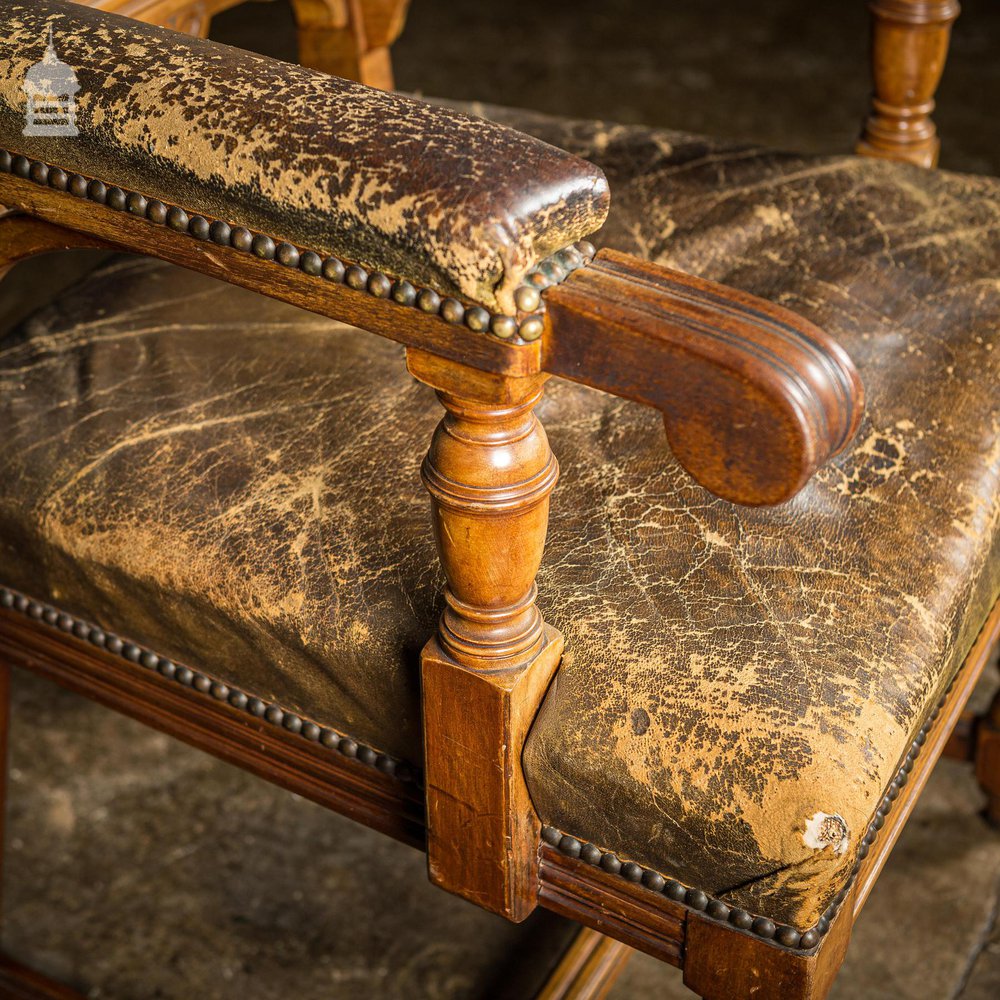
[235,483]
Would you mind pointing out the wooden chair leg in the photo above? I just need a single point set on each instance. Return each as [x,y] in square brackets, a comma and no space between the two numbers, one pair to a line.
[909,47]
[350,38]
[489,472]
[988,758]
[588,969]
[723,963]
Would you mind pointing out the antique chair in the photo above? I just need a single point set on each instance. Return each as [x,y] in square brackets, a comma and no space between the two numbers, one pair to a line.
[755,644]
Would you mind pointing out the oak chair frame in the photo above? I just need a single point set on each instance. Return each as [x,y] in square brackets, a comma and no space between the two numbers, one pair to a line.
[493,651]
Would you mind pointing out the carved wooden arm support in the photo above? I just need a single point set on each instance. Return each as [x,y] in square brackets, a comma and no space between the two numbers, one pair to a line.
[754,397]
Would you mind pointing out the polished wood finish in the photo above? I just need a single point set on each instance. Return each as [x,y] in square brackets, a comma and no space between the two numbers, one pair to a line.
[121,231]
[588,969]
[489,472]
[646,921]
[723,964]
[350,38]
[193,17]
[701,352]
[909,47]
[346,38]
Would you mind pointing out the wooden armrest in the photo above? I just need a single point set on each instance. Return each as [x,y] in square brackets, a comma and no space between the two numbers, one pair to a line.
[754,397]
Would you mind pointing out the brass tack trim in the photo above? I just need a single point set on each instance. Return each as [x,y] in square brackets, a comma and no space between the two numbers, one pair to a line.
[213,689]
[523,328]
[784,935]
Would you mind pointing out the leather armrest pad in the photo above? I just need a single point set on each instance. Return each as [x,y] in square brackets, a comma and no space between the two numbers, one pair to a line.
[423,192]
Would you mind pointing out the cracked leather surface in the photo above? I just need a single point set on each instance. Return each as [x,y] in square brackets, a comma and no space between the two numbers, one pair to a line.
[419,191]
[235,483]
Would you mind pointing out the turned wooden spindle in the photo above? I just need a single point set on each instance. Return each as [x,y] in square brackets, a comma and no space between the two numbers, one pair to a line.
[909,47]
[489,472]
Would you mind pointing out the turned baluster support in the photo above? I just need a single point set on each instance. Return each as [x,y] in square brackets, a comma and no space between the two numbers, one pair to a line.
[489,472]
[909,47]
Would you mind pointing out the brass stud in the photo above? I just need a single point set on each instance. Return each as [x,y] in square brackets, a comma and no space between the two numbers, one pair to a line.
[452,311]
[241,239]
[503,327]
[177,219]
[527,298]
[788,936]
[117,199]
[611,863]
[136,204]
[311,263]
[404,293]
[379,285]
[477,318]
[356,277]
[570,846]
[21,166]
[428,300]
[220,233]
[39,172]
[199,227]
[156,212]
[531,328]
[6,161]
[287,255]
[809,939]
[764,927]
[58,179]
[78,185]
[333,269]
[263,247]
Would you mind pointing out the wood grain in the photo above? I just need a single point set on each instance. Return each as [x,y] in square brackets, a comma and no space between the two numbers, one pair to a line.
[754,397]
[490,472]
[910,41]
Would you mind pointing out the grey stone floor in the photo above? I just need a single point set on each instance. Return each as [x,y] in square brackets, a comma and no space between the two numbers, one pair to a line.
[138,868]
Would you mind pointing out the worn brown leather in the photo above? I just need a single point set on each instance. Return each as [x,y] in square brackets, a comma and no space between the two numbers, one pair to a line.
[235,483]
[421,192]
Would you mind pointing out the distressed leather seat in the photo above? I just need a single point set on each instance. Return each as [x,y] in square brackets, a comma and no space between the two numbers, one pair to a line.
[199,469]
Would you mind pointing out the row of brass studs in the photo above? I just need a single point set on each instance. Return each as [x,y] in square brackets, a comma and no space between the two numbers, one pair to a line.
[717,909]
[203,684]
[526,327]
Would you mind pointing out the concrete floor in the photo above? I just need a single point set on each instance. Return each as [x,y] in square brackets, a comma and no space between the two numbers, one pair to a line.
[138,868]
